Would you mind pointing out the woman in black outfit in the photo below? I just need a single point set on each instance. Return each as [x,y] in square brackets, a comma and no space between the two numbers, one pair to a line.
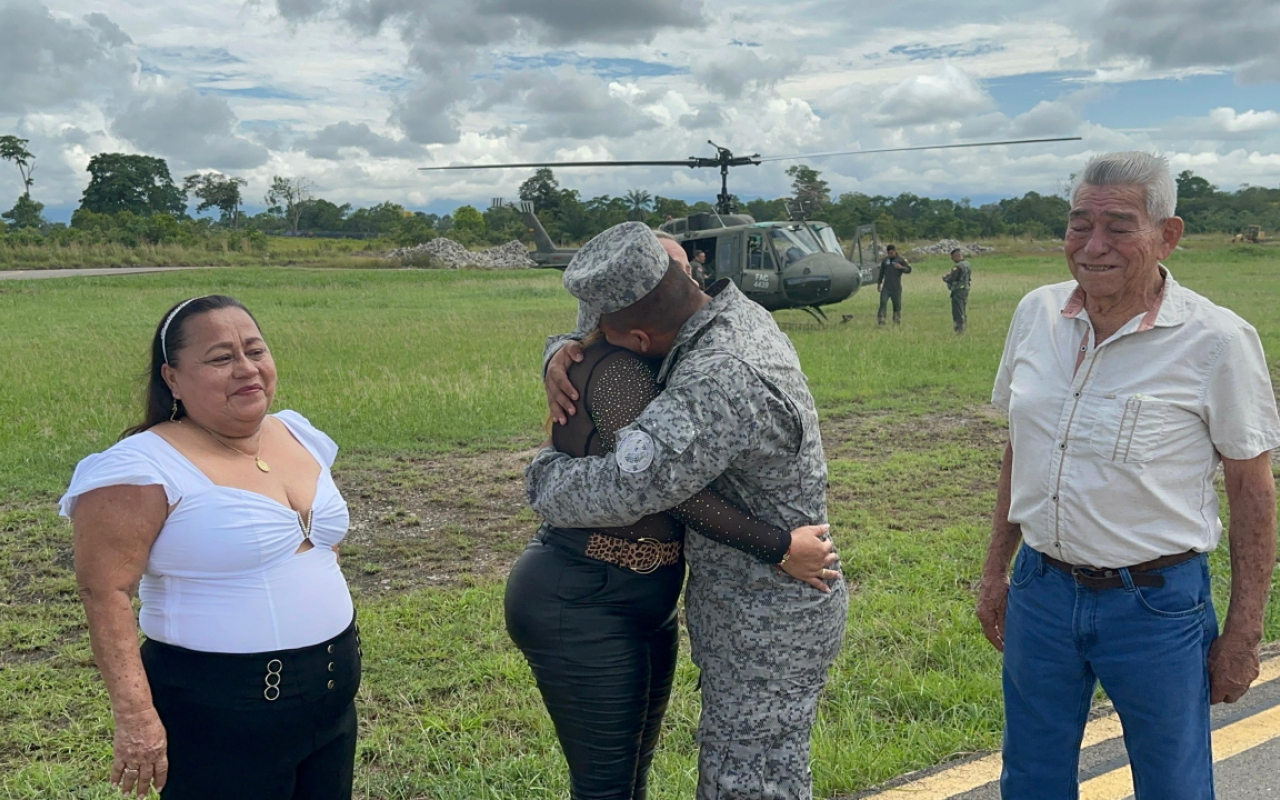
[594,611]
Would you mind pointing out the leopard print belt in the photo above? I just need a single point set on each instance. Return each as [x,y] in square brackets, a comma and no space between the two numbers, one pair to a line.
[638,555]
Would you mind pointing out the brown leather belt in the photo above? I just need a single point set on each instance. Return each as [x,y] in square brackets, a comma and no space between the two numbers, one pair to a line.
[1098,578]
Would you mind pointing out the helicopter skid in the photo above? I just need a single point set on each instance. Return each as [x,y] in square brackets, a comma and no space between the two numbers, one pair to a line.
[817,313]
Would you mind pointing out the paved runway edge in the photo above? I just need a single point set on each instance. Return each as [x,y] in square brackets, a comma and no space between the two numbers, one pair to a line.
[1235,730]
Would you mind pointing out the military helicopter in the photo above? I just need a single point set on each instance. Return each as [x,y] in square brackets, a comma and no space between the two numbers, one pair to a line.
[795,263]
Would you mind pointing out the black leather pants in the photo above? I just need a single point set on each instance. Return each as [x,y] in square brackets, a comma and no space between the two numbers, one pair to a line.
[602,642]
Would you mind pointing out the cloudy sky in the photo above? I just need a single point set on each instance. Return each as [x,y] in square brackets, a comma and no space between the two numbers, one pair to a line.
[355,94]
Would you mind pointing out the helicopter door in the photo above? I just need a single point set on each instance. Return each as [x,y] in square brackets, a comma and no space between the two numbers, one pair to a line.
[865,252]
[761,274]
[707,246]
[728,260]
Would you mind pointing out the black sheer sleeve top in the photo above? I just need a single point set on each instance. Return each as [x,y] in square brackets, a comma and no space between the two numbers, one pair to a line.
[614,386]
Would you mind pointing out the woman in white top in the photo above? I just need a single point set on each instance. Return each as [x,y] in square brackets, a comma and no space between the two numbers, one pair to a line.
[226,520]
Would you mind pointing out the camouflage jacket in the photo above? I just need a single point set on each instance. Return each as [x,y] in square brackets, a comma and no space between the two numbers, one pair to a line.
[959,277]
[735,413]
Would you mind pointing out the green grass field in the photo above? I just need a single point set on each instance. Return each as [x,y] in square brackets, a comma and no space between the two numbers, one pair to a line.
[430,383]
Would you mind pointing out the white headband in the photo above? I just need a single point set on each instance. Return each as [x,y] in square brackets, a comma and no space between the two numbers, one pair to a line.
[164,329]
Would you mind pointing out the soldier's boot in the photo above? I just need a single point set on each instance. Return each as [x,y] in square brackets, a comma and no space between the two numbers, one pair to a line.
[897,318]
[880,320]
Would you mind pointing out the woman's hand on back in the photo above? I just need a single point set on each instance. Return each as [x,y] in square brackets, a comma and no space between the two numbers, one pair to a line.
[810,555]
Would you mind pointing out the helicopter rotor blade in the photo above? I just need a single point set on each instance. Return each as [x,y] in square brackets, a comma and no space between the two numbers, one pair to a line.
[922,147]
[688,162]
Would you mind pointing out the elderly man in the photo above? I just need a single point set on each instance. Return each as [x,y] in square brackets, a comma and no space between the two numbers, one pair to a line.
[1125,390]
[735,414]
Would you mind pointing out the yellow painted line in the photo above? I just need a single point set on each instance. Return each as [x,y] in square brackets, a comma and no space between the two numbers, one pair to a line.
[1228,741]
[979,772]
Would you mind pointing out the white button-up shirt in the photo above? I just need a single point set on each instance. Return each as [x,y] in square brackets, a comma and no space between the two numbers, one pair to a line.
[1115,444]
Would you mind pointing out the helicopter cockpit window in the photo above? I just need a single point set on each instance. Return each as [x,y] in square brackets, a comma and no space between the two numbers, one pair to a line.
[830,242]
[793,245]
[756,253]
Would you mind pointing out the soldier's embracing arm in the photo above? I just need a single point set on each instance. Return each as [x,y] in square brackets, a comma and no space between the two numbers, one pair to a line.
[682,442]
[561,351]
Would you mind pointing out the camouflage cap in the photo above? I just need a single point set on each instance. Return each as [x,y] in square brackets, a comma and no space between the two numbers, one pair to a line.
[616,269]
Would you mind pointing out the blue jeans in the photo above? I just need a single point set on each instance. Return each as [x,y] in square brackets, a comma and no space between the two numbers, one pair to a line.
[1148,646]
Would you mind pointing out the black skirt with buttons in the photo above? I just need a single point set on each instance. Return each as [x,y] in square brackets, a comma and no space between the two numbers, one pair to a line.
[262,726]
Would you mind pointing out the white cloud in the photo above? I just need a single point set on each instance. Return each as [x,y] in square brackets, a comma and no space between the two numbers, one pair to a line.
[196,131]
[353,93]
[946,94]
[744,70]
[1236,35]
[46,61]
[330,142]
[1228,120]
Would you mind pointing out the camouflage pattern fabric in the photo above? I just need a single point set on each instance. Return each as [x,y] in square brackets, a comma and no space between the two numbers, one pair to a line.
[616,269]
[958,280]
[960,276]
[736,414]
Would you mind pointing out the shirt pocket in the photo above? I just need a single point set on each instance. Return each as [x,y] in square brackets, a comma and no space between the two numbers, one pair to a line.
[678,430]
[1129,430]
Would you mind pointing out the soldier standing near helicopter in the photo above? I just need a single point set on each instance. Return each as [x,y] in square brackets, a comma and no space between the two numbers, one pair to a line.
[958,280]
[889,283]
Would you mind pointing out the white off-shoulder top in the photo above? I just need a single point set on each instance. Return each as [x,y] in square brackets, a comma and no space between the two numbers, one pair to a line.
[224,575]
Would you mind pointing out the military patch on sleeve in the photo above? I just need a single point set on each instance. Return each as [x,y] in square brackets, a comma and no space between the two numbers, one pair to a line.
[634,452]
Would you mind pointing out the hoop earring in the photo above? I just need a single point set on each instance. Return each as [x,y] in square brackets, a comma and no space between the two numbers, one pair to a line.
[174,416]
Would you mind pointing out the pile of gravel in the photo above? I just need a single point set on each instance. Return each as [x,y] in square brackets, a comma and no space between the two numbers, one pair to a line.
[945,247]
[444,253]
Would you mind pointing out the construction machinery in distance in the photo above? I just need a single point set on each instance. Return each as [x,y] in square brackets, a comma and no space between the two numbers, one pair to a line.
[1253,234]
[796,263]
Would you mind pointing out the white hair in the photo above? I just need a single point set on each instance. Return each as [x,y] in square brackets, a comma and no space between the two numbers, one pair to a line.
[1148,171]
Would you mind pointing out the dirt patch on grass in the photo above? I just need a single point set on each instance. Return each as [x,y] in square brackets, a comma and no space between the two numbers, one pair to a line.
[449,520]
[876,434]
[432,521]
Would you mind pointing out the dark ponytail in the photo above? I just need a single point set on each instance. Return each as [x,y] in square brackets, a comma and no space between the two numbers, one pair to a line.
[158,401]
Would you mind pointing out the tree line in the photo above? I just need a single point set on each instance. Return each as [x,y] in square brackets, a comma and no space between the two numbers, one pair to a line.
[133,199]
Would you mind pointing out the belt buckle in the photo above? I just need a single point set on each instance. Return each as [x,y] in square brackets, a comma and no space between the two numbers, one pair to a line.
[657,557]
[1084,578]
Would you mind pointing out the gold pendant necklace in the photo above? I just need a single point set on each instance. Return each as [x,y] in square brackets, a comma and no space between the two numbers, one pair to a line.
[257,459]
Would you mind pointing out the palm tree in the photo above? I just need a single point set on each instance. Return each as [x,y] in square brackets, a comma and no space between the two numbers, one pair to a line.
[640,202]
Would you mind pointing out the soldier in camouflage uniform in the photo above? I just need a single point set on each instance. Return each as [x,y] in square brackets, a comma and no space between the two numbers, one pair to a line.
[958,280]
[735,414]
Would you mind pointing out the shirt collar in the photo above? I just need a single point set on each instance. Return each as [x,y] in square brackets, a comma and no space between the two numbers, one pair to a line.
[723,294]
[1170,308]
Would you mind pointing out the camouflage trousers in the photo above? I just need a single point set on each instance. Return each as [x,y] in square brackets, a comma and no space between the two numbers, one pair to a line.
[959,313]
[764,643]
[768,766]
